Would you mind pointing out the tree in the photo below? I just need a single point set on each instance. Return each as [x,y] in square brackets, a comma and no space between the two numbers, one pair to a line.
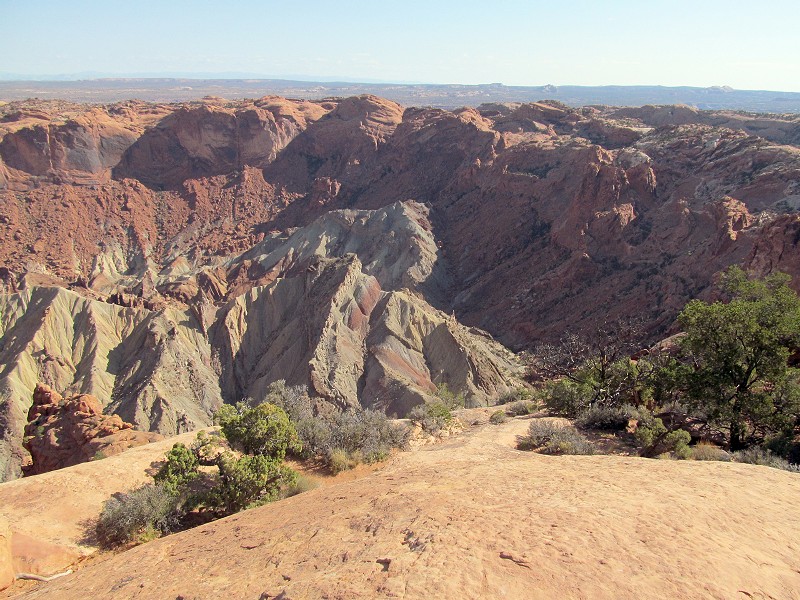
[592,369]
[263,430]
[738,351]
[180,468]
[248,481]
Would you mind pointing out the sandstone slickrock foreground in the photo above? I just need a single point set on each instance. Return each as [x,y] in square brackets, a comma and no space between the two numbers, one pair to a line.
[49,516]
[475,518]
[168,257]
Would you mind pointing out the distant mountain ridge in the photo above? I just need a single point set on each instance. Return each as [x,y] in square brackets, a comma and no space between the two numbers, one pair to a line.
[181,89]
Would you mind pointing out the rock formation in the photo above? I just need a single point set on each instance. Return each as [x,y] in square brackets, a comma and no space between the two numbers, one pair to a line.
[338,306]
[62,432]
[172,257]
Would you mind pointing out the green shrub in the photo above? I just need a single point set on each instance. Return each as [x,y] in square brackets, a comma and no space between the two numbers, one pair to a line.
[655,439]
[207,447]
[678,442]
[522,408]
[756,455]
[705,451]
[449,398]
[567,398]
[518,394]
[548,437]
[498,417]
[785,444]
[263,430]
[248,481]
[180,469]
[607,417]
[431,416]
[143,513]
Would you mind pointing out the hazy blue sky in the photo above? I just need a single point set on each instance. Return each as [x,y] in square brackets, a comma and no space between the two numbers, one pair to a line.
[744,44]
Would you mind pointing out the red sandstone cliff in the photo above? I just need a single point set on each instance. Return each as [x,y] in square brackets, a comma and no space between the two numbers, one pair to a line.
[532,219]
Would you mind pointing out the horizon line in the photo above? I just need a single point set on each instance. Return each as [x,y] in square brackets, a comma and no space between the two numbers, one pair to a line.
[234,76]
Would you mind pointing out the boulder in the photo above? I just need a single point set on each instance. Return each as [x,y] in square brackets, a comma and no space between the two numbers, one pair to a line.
[62,432]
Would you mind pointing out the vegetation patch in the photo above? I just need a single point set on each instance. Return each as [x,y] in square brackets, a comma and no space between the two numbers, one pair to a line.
[522,408]
[341,440]
[431,416]
[142,514]
[761,456]
[518,394]
[705,451]
[727,376]
[548,437]
[498,417]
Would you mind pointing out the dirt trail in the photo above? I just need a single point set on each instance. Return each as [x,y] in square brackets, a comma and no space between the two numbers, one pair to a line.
[475,518]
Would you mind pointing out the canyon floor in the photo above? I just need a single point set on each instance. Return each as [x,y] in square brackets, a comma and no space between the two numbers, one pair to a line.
[472,517]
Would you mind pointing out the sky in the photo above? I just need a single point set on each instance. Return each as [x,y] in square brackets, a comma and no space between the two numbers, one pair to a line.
[740,43]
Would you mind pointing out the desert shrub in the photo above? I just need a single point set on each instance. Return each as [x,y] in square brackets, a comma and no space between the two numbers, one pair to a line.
[294,399]
[179,470]
[518,394]
[756,455]
[522,408]
[567,398]
[705,451]
[568,441]
[143,513]
[339,459]
[368,432]
[614,418]
[248,481]
[316,434]
[431,416]
[449,398]
[263,430]
[785,444]
[539,432]
[655,439]
[301,485]
[498,417]
[548,437]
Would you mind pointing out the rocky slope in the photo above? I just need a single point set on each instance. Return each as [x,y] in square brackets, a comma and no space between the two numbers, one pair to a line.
[546,216]
[336,306]
[166,258]
[475,518]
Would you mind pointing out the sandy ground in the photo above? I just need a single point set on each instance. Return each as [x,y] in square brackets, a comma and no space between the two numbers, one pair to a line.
[475,518]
